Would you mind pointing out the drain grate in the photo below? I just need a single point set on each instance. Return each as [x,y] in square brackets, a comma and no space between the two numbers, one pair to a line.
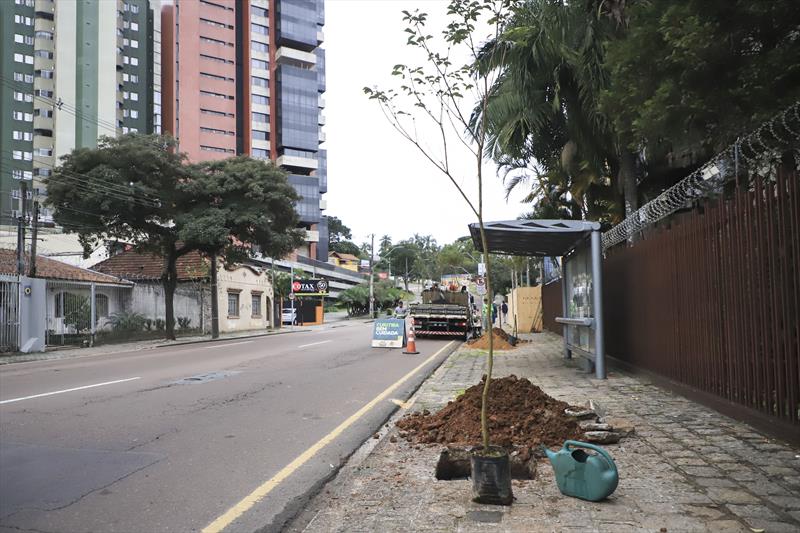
[205,378]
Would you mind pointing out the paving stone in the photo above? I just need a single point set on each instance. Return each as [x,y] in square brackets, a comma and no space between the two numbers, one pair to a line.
[715,482]
[704,471]
[727,496]
[752,511]
[787,503]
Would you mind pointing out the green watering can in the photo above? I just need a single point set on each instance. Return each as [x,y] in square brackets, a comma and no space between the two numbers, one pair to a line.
[584,476]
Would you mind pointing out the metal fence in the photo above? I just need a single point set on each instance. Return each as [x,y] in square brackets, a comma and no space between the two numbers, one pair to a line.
[713,300]
[702,284]
[76,312]
[9,313]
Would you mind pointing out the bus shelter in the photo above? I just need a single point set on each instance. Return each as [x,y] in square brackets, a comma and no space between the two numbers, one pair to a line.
[577,243]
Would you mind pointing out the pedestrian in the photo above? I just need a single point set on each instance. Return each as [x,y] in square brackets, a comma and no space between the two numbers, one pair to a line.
[485,314]
[400,311]
[494,313]
[504,313]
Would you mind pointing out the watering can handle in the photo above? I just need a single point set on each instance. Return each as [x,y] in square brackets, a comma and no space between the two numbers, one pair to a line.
[598,449]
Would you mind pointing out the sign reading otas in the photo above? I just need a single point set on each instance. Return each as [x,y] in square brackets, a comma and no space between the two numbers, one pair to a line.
[310,287]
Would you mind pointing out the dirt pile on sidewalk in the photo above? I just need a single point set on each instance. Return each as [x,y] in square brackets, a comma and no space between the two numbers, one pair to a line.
[500,341]
[520,416]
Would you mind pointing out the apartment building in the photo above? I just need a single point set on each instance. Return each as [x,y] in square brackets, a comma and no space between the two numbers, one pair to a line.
[247,77]
[71,72]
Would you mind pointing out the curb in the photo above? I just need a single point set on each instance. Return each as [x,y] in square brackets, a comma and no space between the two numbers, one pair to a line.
[200,341]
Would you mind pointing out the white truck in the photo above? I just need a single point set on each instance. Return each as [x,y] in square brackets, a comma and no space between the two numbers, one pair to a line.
[444,313]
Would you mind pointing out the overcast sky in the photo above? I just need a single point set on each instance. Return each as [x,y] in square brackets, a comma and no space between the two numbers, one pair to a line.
[377,181]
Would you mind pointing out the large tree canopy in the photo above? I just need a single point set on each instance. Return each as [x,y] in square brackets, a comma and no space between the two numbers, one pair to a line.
[137,189]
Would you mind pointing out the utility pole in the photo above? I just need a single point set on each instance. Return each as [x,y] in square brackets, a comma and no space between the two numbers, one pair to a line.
[23,188]
[371,276]
[34,237]
[214,298]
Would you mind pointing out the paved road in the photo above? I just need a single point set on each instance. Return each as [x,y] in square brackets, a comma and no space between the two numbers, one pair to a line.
[172,439]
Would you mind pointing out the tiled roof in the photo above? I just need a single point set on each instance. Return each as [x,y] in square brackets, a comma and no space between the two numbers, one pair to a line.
[52,269]
[135,266]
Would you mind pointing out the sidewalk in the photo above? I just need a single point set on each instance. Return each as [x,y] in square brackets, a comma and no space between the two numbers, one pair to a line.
[686,468]
[66,353]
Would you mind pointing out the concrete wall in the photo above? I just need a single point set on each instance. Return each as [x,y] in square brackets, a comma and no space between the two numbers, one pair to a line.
[191,301]
[247,283]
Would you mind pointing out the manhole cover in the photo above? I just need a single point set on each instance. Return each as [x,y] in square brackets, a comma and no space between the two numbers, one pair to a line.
[205,378]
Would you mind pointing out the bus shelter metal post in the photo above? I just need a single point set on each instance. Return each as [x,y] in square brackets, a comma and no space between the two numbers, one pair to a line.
[597,304]
[564,308]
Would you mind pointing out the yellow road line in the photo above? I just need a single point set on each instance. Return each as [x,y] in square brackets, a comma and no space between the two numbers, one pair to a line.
[262,490]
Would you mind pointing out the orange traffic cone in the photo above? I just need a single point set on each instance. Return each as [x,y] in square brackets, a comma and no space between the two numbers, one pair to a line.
[411,345]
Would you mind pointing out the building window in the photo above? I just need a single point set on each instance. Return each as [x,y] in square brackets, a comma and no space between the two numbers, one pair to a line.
[260,99]
[43,53]
[260,135]
[134,43]
[43,93]
[23,58]
[100,306]
[216,131]
[259,47]
[134,113]
[44,151]
[215,23]
[135,26]
[259,28]
[23,39]
[41,34]
[233,304]
[215,77]
[216,95]
[260,153]
[258,63]
[260,117]
[215,113]
[259,11]
[256,304]
[47,113]
[23,97]
[135,61]
[216,59]
[213,4]
[47,74]
[259,82]
[216,149]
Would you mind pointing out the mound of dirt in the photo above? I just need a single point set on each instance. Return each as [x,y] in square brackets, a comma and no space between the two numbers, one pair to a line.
[482,343]
[520,416]
[501,341]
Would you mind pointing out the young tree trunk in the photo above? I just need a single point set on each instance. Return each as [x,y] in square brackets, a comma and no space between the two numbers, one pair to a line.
[170,281]
[490,361]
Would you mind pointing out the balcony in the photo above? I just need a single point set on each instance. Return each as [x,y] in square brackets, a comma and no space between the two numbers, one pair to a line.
[298,162]
[323,204]
[292,56]
[322,136]
[321,119]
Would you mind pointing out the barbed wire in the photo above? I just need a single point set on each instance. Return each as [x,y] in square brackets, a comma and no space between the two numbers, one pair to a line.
[759,151]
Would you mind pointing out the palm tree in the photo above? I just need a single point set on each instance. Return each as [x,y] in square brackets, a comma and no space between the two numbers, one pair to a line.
[543,115]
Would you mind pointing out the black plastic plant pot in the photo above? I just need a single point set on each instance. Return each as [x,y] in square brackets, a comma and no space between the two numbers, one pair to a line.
[491,476]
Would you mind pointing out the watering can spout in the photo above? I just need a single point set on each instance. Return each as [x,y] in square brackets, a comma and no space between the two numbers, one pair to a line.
[550,455]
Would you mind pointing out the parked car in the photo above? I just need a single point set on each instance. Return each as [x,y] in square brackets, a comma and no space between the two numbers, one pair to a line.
[289,316]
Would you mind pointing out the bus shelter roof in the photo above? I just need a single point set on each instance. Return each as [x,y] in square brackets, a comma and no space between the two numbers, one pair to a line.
[544,238]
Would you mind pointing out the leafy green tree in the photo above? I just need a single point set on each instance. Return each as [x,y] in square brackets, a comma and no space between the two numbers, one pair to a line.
[138,189]
[687,78]
[347,247]
[337,231]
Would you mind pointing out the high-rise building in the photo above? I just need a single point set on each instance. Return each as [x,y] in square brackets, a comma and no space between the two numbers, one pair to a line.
[247,77]
[71,72]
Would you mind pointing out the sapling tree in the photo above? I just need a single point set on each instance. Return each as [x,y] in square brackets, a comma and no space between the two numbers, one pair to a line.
[439,95]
